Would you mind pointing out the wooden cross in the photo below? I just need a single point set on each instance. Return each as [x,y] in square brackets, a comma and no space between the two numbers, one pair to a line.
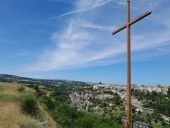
[128,26]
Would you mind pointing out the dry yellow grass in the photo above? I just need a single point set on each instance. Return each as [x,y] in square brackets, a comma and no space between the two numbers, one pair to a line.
[11,114]
[9,89]
[51,122]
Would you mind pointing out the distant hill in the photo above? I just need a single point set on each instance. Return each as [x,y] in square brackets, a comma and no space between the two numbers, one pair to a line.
[18,79]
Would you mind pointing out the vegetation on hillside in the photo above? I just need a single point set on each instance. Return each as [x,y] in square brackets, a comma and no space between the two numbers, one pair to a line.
[58,105]
[158,101]
[19,108]
[29,104]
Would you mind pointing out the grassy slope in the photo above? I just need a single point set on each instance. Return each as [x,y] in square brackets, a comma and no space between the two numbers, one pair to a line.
[11,114]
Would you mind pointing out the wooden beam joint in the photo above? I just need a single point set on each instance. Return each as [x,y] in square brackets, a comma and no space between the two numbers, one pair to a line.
[132,22]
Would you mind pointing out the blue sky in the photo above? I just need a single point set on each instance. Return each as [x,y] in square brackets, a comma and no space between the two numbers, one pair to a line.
[71,39]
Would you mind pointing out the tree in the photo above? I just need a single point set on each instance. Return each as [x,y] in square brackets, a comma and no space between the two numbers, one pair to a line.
[168,91]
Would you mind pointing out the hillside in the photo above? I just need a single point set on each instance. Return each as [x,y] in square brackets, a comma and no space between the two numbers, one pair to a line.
[53,99]
[12,114]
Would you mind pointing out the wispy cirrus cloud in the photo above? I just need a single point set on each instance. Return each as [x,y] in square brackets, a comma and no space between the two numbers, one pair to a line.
[73,48]
[83,6]
[87,39]
[92,4]
[86,24]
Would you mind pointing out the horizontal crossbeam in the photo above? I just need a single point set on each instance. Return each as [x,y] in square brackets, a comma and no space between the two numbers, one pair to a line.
[133,22]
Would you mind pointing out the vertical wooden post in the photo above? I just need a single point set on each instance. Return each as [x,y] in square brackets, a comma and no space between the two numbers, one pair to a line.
[129,118]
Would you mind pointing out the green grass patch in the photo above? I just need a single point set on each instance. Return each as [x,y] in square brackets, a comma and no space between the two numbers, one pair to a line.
[8,98]
[2,88]
[2,97]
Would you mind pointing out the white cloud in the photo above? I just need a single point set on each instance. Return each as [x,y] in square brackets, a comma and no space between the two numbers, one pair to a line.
[93,26]
[85,5]
[88,42]
[73,49]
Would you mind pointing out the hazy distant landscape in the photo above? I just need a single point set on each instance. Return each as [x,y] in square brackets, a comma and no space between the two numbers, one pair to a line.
[71,104]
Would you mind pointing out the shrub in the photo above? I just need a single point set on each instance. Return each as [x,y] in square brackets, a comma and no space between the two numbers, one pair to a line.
[29,104]
[21,89]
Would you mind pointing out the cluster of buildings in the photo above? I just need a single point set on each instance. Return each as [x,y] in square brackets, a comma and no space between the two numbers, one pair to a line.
[81,99]
[158,89]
